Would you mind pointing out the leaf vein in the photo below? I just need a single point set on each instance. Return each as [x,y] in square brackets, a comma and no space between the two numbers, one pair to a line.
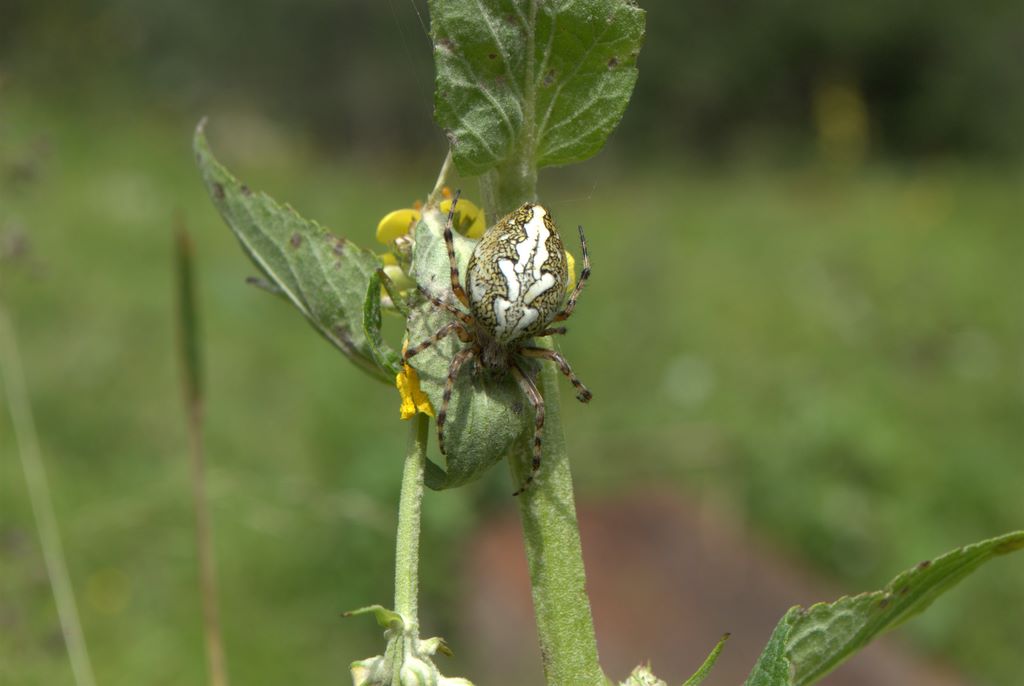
[479,85]
[505,54]
[542,129]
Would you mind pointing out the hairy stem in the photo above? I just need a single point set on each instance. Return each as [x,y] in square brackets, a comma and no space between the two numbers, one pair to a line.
[547,508]
[509,185]
[505,188]
[407,552]
[558,581]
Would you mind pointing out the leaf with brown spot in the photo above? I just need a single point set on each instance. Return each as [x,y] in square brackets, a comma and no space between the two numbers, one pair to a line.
[324,276]
[531,81]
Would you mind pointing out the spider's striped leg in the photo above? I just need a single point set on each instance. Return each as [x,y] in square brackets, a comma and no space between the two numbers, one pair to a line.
[449,242]
[453,372]
[538,422]
[448,307]
[438,336]
[582,392]
[558,330]
[584,275]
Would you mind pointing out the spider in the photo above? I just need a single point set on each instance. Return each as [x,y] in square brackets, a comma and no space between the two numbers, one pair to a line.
[516,279]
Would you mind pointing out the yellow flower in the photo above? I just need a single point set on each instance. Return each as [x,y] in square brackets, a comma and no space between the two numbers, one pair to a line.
[413,399]
[396,224]
[393,231]
[469,219]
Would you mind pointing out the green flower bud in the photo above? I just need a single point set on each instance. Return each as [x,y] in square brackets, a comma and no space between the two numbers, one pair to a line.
[368,672]
[416,671]
[406,652]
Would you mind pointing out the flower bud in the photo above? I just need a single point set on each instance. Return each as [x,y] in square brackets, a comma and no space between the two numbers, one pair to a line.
[642,676]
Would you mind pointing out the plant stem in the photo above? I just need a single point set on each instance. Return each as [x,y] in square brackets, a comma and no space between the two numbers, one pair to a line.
[188,331]
[505,188]
[42,504]
[216,663]
[407,552]
[442,178]
[547,508]
[554,554]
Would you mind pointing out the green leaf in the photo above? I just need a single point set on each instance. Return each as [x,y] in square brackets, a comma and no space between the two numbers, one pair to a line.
[398,301]
[386,619]
[709,662]
[324,276]
[537,83]
[486,414]
[809,643]
[383,354]
[772,667]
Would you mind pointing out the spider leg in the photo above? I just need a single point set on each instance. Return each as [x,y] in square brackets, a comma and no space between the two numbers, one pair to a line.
[438,336]
[558,330]
[538,422]
[448,307]
[584,275]
[449,243]
[453,372]
[582,392]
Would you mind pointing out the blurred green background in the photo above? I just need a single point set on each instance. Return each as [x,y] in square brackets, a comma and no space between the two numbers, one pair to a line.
[806,309]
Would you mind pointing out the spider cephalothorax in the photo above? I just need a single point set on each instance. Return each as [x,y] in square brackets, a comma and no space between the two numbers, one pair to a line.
[516,278]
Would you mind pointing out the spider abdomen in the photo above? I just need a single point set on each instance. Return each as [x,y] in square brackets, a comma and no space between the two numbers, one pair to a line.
[517,275]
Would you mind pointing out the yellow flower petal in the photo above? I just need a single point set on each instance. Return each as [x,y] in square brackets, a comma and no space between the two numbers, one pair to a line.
[469,219]
[388,258]
[413,399]
[395,224]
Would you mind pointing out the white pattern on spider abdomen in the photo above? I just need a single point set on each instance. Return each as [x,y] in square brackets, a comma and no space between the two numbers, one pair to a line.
[517,275]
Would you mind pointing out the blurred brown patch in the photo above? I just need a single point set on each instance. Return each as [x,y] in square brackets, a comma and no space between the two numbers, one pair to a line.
[666,580]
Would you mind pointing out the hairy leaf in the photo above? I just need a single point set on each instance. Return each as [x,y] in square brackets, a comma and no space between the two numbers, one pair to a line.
[809,643]
[773,666]
[486,414]
[324,276]
[540,82]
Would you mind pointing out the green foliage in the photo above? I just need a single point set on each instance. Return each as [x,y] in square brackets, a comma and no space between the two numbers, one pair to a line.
[809,643]
[324,276]
[702,672]
[912,259]
[386,619]
[532,83]
[383,354]
[772,667]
